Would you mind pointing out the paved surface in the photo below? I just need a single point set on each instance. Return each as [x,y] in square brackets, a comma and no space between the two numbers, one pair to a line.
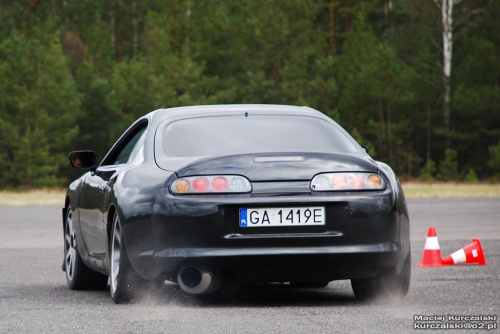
[34,297]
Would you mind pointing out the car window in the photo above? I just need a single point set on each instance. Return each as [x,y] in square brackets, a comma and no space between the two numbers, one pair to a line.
[138,148]
[130,149]
[224,135]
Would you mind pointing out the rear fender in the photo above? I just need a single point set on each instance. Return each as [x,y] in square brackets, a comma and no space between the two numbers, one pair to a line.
[404,220]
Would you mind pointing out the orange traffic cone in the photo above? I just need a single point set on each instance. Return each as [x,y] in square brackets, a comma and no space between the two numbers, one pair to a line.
[432,252]
[472,253]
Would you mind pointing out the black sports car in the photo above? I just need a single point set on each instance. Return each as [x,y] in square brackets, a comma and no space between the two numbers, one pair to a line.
[211,195]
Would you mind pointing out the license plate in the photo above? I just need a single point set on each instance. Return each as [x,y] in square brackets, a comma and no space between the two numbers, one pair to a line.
[273,217]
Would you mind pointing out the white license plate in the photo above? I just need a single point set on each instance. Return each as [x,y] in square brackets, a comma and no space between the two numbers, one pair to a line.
[272,217]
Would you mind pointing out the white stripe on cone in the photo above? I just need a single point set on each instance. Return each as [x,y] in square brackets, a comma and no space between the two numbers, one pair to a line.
[431,243]
[459,257]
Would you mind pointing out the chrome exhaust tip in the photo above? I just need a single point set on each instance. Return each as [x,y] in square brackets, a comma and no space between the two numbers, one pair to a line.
[197,280]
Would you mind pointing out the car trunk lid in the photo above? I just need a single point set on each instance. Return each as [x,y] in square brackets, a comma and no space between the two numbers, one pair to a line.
[278,167]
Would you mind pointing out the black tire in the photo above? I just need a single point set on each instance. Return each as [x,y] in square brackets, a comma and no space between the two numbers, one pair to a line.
[310,284]
[387,283]
[78,275]
[124,282]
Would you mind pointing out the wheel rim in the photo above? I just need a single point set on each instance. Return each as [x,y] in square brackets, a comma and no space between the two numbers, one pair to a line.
[70,247]
[115,255]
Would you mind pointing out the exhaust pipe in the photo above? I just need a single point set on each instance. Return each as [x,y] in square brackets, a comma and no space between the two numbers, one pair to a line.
[197,280]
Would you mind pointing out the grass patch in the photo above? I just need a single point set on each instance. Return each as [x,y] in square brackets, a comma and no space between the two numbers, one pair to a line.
[33,197]
[450,190]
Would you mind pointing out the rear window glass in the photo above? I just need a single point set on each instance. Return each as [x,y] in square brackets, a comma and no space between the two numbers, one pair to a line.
[227,135]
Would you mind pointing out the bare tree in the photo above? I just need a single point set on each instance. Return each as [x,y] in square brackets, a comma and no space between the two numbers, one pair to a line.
[446,7]
[448,25]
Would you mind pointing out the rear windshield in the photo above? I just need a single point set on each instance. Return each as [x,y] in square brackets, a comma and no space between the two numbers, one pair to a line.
[227,135]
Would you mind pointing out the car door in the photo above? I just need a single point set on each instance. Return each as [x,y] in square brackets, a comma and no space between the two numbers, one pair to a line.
[95,188]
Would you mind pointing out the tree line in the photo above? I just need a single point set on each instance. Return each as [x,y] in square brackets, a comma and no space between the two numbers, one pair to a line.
[75,74]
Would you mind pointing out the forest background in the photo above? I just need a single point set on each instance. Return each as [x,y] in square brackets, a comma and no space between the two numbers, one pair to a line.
[75,74]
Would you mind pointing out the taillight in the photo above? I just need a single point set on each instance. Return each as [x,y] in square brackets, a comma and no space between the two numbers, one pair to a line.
[374,181]
[339,181]
[219,184]
[357,181]
[322,183]
[347,182]
[201,184]
[182,186]
[237,184]
[211,184]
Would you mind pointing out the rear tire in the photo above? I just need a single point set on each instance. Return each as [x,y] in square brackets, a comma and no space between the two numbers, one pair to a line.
[78,275]
[387,283]
[124,282]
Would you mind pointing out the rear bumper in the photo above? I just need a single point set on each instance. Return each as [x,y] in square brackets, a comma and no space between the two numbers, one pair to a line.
[265,264]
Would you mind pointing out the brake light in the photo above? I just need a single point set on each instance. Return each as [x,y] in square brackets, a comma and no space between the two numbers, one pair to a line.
[357,181]
[219,184]
[339,181]
[211,185]
[347,182]
[201,184]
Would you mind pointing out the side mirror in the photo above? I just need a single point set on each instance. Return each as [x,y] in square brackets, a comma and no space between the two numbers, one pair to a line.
[365,148]
[82,160]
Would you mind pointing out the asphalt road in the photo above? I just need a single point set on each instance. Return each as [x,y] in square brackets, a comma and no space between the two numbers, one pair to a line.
[34,297]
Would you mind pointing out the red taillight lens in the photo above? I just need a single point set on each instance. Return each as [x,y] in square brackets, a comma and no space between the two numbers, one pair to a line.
[339,181]
[219,184]
[201,184]
[357,181]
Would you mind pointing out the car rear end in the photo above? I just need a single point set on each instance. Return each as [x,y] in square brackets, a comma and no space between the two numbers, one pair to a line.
[275,210]
[351,234]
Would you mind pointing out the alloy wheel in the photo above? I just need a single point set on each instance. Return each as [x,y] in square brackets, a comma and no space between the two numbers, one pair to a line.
[70,247]
[115,255]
